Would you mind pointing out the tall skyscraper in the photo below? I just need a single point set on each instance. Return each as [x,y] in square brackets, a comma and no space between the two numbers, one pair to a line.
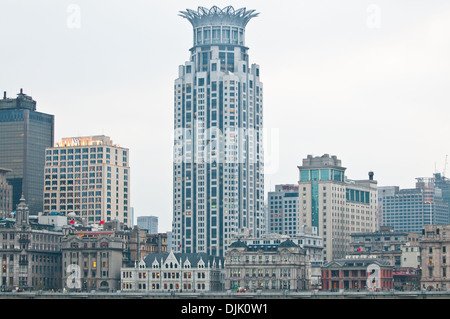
[90,177]
[24,135]
[218,190]
[335,205]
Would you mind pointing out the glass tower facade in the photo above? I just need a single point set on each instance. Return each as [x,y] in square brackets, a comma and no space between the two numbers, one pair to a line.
[24,135]
[218,175]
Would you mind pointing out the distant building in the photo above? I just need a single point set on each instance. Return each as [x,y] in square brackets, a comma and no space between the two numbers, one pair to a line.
[149,223]
[90,177]
[283,210]
[24,135]
[335,205]
[148,243]
[164,272]
[407,278]
[387,244]
[267,267]
[5,194]
[357,273]
[411,209]
[435,256]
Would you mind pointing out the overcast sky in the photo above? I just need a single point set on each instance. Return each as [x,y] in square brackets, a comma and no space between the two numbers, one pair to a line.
[367,81]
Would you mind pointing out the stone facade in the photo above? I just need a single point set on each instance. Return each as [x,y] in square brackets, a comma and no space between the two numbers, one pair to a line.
[283,266]
[92,262]
[30,253]
[435,256]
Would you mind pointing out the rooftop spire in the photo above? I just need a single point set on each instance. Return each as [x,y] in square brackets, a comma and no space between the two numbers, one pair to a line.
[216,16]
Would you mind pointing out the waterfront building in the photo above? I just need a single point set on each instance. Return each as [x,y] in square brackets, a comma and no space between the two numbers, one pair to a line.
[174,272]
[274,266]
[24,135]
[335,205]
[358,273]
[435,257]
[218,173]
[30,253]
[393,246]
[89,177]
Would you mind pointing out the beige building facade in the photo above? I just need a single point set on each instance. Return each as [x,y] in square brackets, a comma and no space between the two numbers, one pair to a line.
[267,267]
[89,176]
[334,204]
[5,194]
[435,256]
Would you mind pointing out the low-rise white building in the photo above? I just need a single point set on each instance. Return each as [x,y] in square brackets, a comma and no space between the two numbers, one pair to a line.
[163,272]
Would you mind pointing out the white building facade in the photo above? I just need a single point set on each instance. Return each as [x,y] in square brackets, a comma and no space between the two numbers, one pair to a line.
[168,272]
[218,148]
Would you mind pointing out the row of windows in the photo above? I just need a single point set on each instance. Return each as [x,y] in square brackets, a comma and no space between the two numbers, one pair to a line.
[81,150]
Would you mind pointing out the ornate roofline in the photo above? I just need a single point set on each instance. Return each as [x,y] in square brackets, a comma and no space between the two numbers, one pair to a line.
[217,16]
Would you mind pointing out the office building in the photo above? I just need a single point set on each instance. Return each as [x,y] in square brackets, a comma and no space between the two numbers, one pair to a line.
[218,179]
[410,209]
[5,194]
[283,210]
[149,223]
[24,135]
[90,177]
[335,205]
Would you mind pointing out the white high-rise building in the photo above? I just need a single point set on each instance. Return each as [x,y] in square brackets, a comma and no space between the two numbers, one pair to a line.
[218,147]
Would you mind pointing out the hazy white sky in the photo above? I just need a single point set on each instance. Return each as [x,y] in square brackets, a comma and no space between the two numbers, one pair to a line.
[367,81]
